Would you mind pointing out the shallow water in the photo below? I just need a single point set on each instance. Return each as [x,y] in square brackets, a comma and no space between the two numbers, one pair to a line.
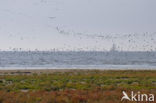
[77,60]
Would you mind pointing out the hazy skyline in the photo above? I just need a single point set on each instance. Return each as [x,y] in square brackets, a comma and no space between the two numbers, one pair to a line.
[78,24]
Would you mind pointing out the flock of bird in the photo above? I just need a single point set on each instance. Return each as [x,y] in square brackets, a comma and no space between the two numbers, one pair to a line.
[146,40]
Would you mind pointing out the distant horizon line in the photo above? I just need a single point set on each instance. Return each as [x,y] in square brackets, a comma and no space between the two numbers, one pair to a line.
[76,51]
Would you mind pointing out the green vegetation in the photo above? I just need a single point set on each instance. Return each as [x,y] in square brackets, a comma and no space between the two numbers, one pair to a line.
[84,86]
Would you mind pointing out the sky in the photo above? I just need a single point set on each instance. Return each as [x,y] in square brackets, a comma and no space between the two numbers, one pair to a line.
[78,24]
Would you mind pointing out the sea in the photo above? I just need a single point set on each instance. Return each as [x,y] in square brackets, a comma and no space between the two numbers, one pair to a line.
[115,60]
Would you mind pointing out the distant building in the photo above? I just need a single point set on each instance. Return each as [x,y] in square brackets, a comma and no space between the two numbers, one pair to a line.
[114,48]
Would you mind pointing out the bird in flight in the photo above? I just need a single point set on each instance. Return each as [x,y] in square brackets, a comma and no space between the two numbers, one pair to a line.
[52,17]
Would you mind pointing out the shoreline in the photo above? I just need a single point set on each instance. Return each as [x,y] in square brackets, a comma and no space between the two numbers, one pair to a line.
[50,71]
[99,67]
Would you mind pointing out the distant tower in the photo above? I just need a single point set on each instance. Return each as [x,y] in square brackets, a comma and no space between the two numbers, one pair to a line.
[113,48]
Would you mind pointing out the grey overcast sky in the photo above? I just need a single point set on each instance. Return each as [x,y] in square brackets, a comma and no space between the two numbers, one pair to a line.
[78,24]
